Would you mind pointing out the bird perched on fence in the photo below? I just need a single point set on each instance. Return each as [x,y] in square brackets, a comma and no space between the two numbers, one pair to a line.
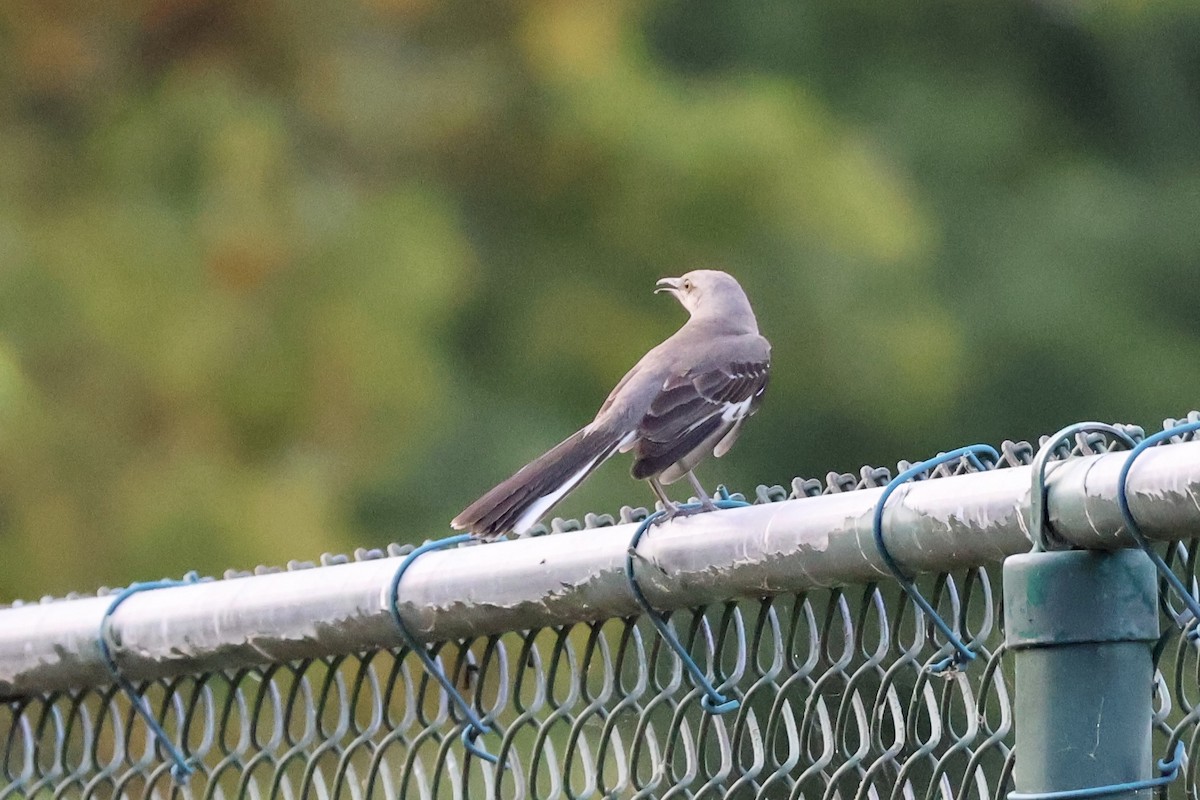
[686,398]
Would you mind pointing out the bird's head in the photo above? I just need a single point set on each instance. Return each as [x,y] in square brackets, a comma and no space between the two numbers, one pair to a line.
[710,294]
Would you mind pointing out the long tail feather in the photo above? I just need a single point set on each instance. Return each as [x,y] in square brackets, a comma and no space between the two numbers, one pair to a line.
[519,502]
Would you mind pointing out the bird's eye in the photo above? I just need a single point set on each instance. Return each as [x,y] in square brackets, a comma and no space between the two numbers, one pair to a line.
[687,286]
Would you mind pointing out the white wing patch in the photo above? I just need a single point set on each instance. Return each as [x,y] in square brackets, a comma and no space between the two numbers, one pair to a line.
[731,412]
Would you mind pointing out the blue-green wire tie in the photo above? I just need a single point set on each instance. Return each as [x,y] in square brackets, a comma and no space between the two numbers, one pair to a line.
[962,653]
[713,701]
[1039,516]
[1135,530]
[476,727]
[1168,771]
[181,770]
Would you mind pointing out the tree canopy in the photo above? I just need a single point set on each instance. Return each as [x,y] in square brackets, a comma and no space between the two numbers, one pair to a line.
[277,279]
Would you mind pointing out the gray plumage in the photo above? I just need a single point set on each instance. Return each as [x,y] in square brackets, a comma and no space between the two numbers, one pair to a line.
[686,398]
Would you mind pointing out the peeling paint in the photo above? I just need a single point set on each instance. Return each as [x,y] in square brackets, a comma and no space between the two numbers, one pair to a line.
[787,546]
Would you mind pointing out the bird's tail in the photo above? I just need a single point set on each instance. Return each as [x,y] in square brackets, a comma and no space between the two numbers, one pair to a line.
[519,502]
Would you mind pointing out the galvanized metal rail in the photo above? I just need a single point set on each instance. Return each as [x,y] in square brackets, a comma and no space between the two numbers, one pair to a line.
[782,547]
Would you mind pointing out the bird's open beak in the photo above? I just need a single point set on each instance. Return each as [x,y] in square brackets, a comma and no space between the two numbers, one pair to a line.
[668,285]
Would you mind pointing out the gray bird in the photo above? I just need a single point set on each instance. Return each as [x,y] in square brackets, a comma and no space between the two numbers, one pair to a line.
[686,398]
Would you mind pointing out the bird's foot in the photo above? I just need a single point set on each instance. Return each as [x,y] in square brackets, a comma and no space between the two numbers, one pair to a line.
[662,515]
[679,510]
[699,507]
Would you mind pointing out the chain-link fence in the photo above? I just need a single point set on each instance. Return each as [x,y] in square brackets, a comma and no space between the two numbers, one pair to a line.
[837,701]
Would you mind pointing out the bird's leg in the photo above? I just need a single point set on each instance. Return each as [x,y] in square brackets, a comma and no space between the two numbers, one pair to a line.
[706,502]
[668,504]
[672,509]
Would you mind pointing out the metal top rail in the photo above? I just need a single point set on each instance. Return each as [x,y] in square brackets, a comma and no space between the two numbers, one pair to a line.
[789,546]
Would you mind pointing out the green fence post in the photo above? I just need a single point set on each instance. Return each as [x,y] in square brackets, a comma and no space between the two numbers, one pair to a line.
[1082,624]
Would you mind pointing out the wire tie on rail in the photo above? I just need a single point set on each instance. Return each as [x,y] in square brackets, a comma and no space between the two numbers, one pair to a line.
[1039,514]
[181,770]
[475,727]
[1039,531]
[1135,530]
[1167,772]
[713,701]
[971,453]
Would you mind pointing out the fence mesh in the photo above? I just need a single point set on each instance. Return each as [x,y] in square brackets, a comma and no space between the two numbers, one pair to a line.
[837,702]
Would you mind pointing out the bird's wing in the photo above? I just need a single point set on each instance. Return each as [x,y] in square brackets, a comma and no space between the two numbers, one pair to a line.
[693,406]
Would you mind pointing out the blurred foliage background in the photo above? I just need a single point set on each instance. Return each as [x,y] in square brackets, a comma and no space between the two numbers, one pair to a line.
[277,278]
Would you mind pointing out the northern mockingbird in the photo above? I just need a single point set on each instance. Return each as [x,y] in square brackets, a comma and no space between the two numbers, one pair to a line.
[686,398]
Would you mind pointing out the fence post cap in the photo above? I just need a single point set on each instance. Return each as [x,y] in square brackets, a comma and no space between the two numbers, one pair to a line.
[1077,596]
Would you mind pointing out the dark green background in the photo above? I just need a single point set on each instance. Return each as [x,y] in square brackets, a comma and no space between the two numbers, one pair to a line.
[282,278]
